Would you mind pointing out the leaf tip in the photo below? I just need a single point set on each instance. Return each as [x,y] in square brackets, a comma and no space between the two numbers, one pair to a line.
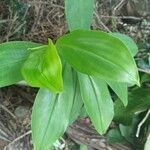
[103,131]
[125,103]
[138,83]
[50,42]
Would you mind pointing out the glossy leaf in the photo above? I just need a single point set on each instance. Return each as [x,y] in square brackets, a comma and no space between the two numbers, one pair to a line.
[128,41]
[12,57]
[121,90]
[138,101]
[95,52]
[79,13]
[43,68]
[97,101]
[51,113]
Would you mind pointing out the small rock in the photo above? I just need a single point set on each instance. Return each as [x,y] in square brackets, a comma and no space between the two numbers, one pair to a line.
[21,111]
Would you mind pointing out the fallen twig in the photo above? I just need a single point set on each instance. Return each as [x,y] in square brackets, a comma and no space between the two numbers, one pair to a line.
[4,108]
[18,138]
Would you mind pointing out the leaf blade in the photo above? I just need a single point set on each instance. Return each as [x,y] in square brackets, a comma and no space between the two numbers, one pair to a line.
[43,68]
[138,101]
[95,49]
[12,56]
[75,12]
[121,90]
[97,101]
[78,102]
[52,106]
[130,44]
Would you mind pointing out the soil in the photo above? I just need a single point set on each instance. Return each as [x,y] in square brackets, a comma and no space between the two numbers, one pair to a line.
[15,111]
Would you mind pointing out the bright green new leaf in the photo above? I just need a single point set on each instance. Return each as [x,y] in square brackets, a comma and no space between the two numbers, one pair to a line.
[121,90]
[95,52]
[51,113]
[139,100]
[43,68]
[97,101]
[12,57]
[79,13]
[129,43]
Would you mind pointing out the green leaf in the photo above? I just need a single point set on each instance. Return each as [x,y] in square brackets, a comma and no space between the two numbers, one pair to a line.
[12,56]
[147,144]
[114,136]
[121,114]
[98,51]
[121,90]
[97,101]
[78,102]
[83,113]
[79,13]
[51,113]
[43,68]
[139,100]
[76,109]
[83,147]
[145,78]
[127,132]
[129,43]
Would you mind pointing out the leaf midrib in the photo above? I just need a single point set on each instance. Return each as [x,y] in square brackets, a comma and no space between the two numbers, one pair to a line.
[97,101]
[53,107]
[97,56]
